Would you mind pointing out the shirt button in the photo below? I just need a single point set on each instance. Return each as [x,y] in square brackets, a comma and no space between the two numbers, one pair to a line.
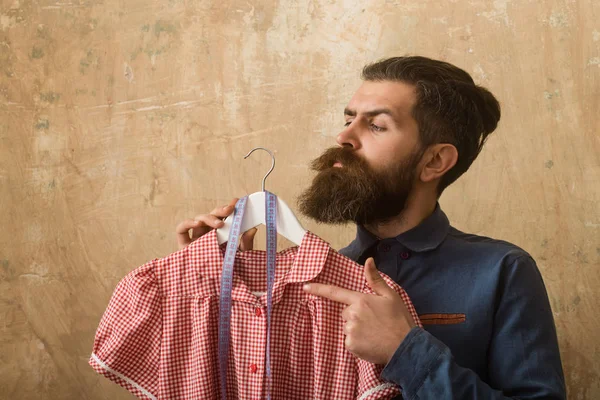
[385,247]
[257,312]
[405,255]
[253,368]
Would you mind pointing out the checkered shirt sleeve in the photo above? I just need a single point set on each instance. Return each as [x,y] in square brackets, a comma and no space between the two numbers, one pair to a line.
[127,343]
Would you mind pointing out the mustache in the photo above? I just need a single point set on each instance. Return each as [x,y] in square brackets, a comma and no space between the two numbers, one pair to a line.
[344,155]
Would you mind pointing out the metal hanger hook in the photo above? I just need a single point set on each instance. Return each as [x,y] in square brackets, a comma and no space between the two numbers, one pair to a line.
[272,165]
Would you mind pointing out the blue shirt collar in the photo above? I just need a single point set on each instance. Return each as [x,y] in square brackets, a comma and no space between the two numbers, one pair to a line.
[426,236]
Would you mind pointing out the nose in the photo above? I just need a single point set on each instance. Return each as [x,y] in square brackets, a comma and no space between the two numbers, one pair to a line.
[349,137]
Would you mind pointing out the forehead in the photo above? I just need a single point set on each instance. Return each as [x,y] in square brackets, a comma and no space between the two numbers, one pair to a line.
[397,96]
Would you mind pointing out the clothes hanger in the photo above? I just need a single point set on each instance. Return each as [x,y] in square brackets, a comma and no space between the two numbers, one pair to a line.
[288,225]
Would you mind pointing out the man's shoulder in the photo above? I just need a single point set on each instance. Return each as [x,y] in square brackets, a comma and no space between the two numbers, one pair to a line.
[491,249]
[496,263]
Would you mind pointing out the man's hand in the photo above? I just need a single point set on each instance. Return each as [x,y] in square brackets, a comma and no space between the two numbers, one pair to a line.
[204,223]
[377,323]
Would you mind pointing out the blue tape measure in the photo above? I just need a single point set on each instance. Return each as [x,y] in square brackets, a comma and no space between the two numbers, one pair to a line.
[271,212]
[227,285]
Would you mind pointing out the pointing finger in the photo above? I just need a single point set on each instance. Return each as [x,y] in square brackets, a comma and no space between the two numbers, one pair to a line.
[331,292]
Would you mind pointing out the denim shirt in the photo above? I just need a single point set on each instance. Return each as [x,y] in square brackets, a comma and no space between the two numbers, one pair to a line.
[488,327]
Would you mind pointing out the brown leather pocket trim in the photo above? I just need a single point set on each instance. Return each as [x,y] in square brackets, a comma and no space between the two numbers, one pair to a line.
[442,319]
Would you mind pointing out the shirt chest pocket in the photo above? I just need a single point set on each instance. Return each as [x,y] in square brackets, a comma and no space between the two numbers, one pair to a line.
[442,319]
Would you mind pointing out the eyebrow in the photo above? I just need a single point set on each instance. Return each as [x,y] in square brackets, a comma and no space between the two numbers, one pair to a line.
[352,113]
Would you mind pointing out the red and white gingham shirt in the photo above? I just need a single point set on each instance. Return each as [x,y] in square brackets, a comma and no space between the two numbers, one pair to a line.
[158,336]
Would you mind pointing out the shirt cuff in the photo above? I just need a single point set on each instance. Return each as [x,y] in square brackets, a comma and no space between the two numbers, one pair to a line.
[413,360]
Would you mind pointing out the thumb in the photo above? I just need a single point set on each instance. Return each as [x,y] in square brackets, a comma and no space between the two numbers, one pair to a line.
[247,239]
[375,280]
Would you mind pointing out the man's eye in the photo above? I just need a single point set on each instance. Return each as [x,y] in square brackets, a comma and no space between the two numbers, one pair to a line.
[347,123]
[377,128]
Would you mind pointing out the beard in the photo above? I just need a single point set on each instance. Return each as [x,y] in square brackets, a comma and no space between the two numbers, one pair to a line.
[356,192]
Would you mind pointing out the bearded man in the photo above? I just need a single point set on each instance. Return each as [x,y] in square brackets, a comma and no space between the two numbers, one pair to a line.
[412,128]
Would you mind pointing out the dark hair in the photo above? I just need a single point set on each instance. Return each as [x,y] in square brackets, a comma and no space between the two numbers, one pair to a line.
[450,107]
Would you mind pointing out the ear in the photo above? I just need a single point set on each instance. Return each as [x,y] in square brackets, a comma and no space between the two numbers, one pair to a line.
[438,159]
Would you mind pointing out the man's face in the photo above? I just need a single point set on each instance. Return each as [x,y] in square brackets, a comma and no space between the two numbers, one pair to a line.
[369,177]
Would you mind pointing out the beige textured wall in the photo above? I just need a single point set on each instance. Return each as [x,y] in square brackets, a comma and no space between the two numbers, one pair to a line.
[120,118]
